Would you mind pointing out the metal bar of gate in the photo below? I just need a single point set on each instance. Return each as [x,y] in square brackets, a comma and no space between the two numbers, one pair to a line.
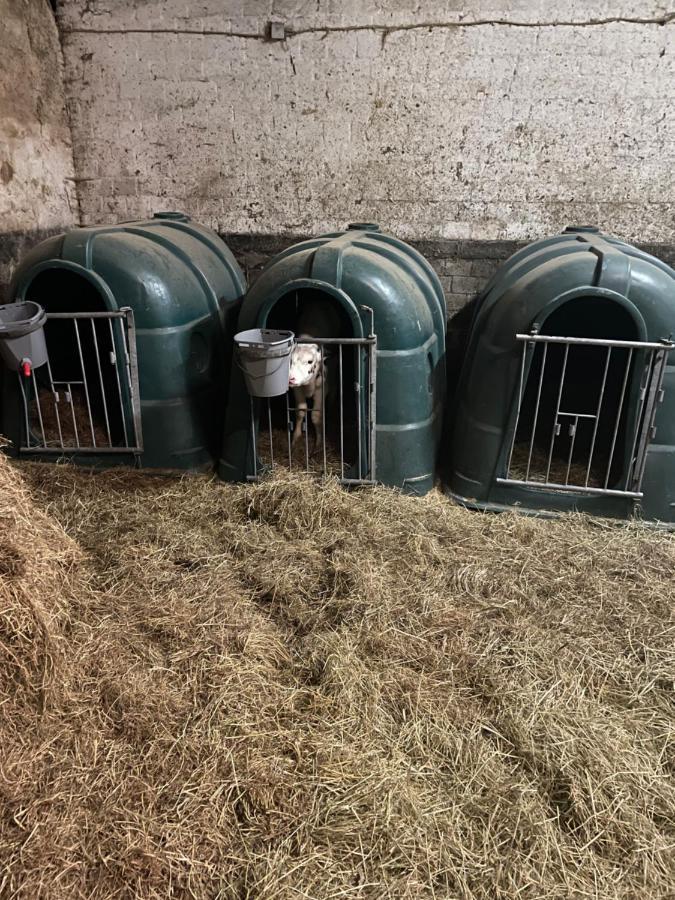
[113,360]
[536,410]
[365,361]
[84,380]
[573,434]
[600,342]
[574,488]
[25,407]
[639,416]
[556,426]
[55,395]
[100,381]
[253,442]
[338,341]
[521,383]
[305,422]
[80,447]
[39,408]
[342,422]
[269,425]
[651,392]
[129,340]
[323,411]
[65,388]
[597,416]
[357,481]
[371,375]
[69,389]
[111,314]
[619,413]
[288,432]
[357,385]
[372,390]
[659,361]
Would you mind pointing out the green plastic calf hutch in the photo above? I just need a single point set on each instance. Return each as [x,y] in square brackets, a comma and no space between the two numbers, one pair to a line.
[377,318]
[139,334]
[566,397]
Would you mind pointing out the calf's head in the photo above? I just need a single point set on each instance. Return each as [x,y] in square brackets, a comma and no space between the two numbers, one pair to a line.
[305,364]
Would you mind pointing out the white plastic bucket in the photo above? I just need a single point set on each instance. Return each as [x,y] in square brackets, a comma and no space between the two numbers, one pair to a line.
[22,337]
[264,356]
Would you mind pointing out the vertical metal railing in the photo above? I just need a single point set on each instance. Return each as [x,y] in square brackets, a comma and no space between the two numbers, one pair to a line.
[341,414]
[93,371]
[627,415]
[341,441]
[653,396]
[598,409]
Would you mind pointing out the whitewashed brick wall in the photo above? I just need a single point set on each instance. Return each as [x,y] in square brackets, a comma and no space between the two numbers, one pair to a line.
[496,119]
[37,192]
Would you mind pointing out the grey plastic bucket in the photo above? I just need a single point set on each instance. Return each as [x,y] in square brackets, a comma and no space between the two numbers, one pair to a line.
[264,356]
[22,336]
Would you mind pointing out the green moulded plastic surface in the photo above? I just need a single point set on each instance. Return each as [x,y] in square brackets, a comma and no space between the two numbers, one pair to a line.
[361,267]
[185,288]
[587,268]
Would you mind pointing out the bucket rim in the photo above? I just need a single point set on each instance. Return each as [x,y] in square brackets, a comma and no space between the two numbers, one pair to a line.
[34,318]
[252,337]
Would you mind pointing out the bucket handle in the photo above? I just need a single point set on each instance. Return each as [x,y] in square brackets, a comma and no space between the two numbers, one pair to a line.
[258,345]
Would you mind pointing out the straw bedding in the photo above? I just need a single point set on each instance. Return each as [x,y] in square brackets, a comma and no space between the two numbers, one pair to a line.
[285,690]
[304,456]
[66,424]
[557,468]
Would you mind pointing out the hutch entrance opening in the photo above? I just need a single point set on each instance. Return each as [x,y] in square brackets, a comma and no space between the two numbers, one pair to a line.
[85,399]
[586,404]
[336,434]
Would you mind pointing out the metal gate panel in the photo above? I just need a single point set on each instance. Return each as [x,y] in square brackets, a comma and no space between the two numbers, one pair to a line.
[353,425]
[647,358]
[86,401]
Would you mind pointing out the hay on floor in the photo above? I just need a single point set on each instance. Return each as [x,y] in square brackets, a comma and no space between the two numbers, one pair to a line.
[287,690]
[36,560]
[560,471]
[66,423]
[304,456]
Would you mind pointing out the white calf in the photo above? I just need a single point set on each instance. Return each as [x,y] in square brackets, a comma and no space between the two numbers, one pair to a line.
[307,377]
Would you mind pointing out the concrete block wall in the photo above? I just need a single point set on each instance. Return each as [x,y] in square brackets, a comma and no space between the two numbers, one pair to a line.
[37,188]
[496,120]
[464,267]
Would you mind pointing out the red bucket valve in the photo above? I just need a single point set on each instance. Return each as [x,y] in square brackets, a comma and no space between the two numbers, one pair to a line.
[26,368]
